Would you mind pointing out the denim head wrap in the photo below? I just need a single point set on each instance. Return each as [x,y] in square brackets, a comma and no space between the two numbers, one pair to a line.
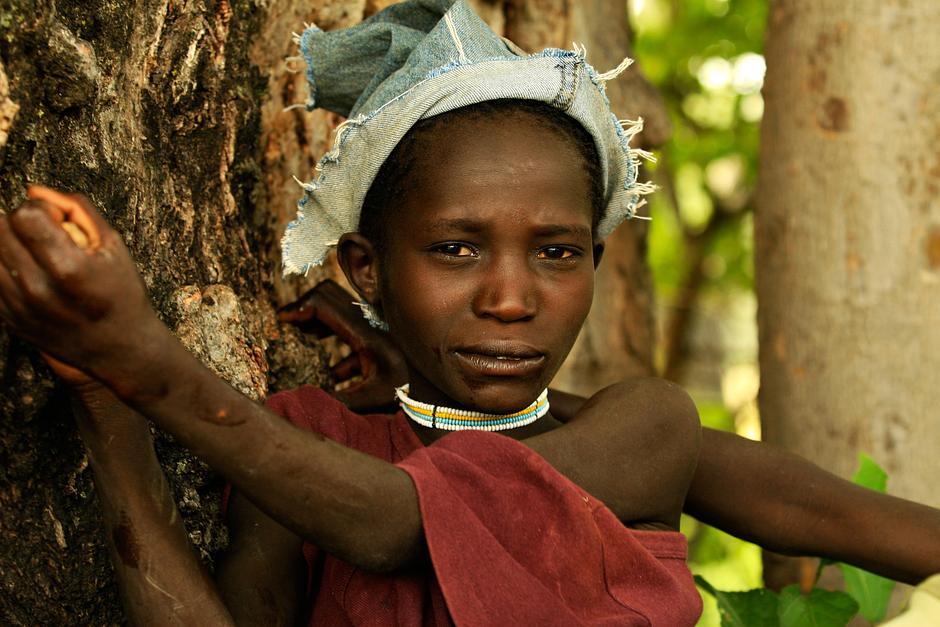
[415,60]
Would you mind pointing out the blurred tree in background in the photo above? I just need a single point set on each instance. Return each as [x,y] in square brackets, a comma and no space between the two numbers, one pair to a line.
[846,235]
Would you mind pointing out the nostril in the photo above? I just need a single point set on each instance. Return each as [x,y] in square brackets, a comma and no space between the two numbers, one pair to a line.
[506,306]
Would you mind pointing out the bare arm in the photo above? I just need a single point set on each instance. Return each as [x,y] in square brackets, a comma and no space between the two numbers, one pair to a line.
[160,577]
[797,508]
[634,446]
[362,509]
[789,505]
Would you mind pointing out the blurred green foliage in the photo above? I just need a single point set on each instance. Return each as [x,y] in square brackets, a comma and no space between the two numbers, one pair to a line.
[704,56]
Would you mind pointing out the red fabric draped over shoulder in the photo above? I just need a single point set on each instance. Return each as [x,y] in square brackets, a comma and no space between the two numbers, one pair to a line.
[514,542]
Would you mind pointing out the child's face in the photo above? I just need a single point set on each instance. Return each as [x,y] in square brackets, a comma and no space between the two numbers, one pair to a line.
[489,271]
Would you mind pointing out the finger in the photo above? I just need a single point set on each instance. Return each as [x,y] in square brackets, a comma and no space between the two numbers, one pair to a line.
[57,215]
[5,314]
[346,368]
[50,245]
[304,318]
[347,321]
[9,295]
[24,280]
[76,208]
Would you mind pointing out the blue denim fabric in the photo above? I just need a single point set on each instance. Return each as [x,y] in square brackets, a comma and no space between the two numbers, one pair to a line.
[420,58]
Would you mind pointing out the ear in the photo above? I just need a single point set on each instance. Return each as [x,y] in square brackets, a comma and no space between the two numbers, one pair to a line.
[598,253]
[359,261]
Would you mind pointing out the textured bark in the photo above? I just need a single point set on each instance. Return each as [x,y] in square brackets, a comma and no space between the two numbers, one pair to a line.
[848,237]
[169,116]
[166,114]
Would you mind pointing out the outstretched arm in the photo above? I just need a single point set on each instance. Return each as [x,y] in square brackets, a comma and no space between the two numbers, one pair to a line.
[789,505]
[795,507]
[78,306]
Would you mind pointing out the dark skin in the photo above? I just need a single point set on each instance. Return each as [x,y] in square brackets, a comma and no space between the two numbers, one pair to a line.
[77,304]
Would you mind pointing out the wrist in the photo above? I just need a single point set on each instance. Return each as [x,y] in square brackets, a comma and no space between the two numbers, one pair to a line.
[140,374]
[102,420]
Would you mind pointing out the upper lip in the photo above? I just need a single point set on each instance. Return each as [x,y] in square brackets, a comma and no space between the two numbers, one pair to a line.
[501,348]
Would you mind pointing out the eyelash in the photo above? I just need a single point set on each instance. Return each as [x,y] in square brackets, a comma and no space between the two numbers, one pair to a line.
[440,248]
[568,253]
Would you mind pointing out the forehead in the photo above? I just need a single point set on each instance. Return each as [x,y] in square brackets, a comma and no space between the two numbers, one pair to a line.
[511,168]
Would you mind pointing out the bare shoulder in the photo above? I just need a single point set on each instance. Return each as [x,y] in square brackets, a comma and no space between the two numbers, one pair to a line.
[643,405]
[634,445]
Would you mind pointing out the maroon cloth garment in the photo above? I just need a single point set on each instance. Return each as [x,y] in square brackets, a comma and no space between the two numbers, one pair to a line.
[512,541]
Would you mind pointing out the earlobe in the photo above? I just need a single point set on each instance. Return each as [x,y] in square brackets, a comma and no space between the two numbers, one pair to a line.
[598,253]
[359,261]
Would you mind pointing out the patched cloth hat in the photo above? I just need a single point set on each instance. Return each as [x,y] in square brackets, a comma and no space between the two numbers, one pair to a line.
[415,60]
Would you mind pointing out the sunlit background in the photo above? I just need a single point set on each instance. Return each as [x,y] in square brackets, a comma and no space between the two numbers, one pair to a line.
[705,57]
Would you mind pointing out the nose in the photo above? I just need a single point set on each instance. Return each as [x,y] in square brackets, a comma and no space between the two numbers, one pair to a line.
[507,291]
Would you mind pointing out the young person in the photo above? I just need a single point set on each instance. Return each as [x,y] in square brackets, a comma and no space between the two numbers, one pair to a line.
[479,233]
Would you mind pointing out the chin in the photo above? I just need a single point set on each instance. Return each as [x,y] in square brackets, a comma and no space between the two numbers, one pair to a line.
[501,397]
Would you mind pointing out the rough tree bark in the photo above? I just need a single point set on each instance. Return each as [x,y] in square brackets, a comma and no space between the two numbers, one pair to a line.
[166,114]
[169,116]
[848,237]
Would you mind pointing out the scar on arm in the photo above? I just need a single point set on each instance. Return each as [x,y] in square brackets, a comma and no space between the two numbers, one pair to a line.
[125,542]
[221,417]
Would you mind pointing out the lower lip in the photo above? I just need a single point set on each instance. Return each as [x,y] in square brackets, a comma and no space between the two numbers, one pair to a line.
[489,366]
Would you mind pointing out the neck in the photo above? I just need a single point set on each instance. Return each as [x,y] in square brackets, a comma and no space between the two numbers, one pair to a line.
[443,418]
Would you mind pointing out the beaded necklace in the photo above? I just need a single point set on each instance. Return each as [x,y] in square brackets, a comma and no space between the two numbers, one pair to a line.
[439,417]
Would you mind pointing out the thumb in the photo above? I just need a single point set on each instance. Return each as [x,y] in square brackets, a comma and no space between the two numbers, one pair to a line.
[76,209]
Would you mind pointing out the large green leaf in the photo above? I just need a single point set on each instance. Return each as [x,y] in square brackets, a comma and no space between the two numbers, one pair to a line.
[744,609]
[819,608]
[871,591]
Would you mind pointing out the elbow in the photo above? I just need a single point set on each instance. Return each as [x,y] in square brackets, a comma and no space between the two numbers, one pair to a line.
[386,534]
[384,560]
[386,549]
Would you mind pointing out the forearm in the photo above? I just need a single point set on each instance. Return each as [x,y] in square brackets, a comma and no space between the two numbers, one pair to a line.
[787,504]
[360,508]
[160,577]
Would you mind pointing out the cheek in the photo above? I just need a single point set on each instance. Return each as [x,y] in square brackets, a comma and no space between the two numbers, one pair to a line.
[574,296]
[418,306]
[572,304]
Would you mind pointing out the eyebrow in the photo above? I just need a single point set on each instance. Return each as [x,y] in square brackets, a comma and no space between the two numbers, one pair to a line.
[554,230]
[466,225]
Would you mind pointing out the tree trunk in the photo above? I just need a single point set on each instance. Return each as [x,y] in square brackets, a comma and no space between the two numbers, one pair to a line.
[848,237]
[169,116]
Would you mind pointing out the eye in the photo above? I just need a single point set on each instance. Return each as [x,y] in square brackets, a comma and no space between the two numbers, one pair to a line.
[556,252]
[455,249]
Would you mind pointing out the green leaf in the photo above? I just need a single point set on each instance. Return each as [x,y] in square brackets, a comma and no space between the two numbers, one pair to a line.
[869,474]
[819,608]
[871,591]
[744,609]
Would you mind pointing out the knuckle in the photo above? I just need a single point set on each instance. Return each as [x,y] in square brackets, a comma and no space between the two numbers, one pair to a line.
[66,270]
[36,292]
[82,199]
